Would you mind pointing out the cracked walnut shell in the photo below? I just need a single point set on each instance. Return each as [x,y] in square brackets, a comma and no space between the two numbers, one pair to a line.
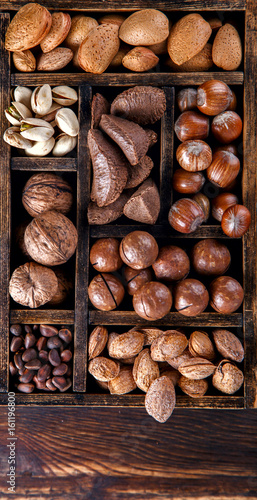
[32,285]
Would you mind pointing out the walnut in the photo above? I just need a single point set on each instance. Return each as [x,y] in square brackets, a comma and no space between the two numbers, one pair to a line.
[51,238]
[32,285]
[44,192]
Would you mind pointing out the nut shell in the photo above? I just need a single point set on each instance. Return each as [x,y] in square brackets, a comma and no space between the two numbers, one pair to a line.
[227,48]
[104,255]
[172,264]
[236,221]
[226,127]
[145,370]
[193,388]
[144,205]
[224,169]
[80,28]
[44,192]
[160,399]
[145,27]
[192,125]
[226,294]
[55,59]
[24,61]
[136,278]
[140,59]
[187,182]
[28,27]
[97,341]
[197,368]
[139,249]
[194,155]
[221,202]
[152,301]
[141,104]
[168,345]
[210,257]
[103,369]
[123,383]
[200,345]
[98,49]
[186,215]
[33,285]
[227,377]
[228,345]
[60,26]
[190,297]
[125,345]
[213,97]
[106,292]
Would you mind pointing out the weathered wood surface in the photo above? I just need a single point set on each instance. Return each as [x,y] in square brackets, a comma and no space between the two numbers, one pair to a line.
[158,231]
[121,454]
[42,316]
[48,163]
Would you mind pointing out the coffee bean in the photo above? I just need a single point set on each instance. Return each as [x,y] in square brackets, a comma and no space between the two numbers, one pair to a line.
[60,370]
[60,383]
[50,385]
[48,331]
[34,364]
[26,387]
[16,343]
[43,373]
[65,335]
[43,356]
[16,330]
[27,376]
[54,357]
[54,342]
[30,340]
[29,354]
[27,329]
[66,355]
[12,368]
[18,360]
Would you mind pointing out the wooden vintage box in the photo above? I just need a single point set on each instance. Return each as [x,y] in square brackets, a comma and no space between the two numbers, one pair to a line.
[14,169]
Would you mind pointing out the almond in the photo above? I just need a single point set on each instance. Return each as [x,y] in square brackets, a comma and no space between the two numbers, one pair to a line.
[227,48]
[125,345]
[228,345]
[140,59]
[188,37]
[54,60]
[24,61]
[79,30]
[227,377]
[123,383]
[145,27]
[117,19]
[97,341]
[168,345]
[145,370]
[28,27]
[99,48]
[160,399]
[60,27]
[150,334]
[178,360]
[193,388]
[200,345]
[197,368]
[172,374]
[103,369]
[200,62]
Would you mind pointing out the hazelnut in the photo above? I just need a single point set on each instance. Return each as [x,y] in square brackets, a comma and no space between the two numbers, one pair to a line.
[185,215]
[227,377]
[190,297]
[210,257]
[236,221]
[221,202]
[226,294]
[139,249]
[32,285]
[227,147]
[44,192]
[194,155]
[186,99]
[106,292]
[224,169]
[213,97]
[104,255]
[233,104]
[191,125]
[152,301]
[187,182]
[226,127]
[136,278]
[172,264]
[204,203]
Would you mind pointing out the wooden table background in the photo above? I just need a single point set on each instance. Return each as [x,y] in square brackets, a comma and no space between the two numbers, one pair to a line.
[122,453]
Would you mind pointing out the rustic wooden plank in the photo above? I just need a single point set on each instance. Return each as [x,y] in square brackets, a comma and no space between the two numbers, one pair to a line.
[158,231]
[133,5]
[49,316]
[83,196]
[122,79]
[206,319]
[5,207]
[249,199]
[47,164]
[166,154]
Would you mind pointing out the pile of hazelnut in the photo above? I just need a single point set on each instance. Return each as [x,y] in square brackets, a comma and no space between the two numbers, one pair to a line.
[211,99]
[158,277]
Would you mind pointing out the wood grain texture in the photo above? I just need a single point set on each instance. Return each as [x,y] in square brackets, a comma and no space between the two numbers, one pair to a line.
[158,231]
[46,164]
[167,145]
[133,4]
[53,316]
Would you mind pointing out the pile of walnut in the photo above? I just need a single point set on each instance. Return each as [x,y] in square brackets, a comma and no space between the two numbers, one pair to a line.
[119,156]
[121,363]
[211,99]
[134,42]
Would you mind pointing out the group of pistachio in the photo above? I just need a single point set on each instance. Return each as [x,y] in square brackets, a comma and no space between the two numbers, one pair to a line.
[35,134]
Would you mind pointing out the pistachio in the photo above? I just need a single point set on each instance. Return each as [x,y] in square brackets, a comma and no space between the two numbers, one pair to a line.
[36,129]
[13,137]
[16,112]
[67,121]
[227,377]
[66,96]
[50,115]
[41,99]
[23,95]
[41,148]
[64,144]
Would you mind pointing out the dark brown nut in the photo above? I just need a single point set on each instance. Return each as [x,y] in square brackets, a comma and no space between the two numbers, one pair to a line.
[160,399]
[51,239]
[169,344]
[194,156]
[197,368]
[187,182]
[141,104]
[139,173]
[210,257]
[190,297]
[106,292]
[103,369]
[123,383]
[60,370]
[193,388]
[54,357]
[54,342]
[213,97]
[185,215]
[18,361]
[43,356]
[29,340]
[16,330]
[105,215]
[226,127]
[221,202]
[66,355]
[27,376]
[33,285]
[34,364]
[104,255]
[191,125]
[16,343]
[152,138]
[144,205]
[172,264]
[50,385]
[139,249]
[12,369]
[100,106]
[186,99]
[226,294]
[145,370]
[97,341]
[48,331]
[228,345]
[44,372]
[236,221]
[224,169]
[60,383]
[65,286]
[125,345]
[28,27]
[176,362]
[204,203]
[200,345]
[227,377]
[65,335]
[46,191]
[29,354]
[41,343]
[40,385]
[152,301]
[135,279]
[27,388]
[110,172]
[129,136]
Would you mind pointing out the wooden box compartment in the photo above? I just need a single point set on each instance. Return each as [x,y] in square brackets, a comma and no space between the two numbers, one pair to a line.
[77,169]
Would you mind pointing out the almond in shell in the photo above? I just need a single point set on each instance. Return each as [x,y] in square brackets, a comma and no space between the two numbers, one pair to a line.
[123,383]
[193,388]
[200,62]
[97,341]
[125,345]
[227,48]
[228,345]
[168,345]
[227,377]
[197,368]
[60,27]
[201,345]
[55,59]
[145,370]
[80,28]
[145,27]
[103,369]
[99,48]
[28,27]
[140,59]
[160,399]
[24,61]
[178,360]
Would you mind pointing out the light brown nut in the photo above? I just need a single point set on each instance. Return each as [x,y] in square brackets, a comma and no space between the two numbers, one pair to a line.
[46,191]
[97,51]
[103,369]
[172,374]
[228,345]
[227,377]
[128,361]
[168,345]
[125,345]
[150,334]
[28,27]
[178,360]
[200,62]
[145,370]
[160,399]
[80,28]
[193,388]
[140,59]
[188,37]
[197,368]
[60,27]
[33,285]
[227,48]
[112,19]
[24,61]
[56,59]
[123,383]
[145,27]
[201,345]
[97,341]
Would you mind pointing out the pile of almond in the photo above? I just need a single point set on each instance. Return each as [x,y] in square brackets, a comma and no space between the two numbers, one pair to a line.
[122,362]
[135,42]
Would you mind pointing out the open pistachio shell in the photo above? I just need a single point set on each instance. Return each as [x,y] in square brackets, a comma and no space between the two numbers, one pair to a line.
[50,115]
[66,96]
[41,148]
[23,95]
[67,121]
[13,137]
[41,99]
[64,144]
[17,112]
[36,129]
